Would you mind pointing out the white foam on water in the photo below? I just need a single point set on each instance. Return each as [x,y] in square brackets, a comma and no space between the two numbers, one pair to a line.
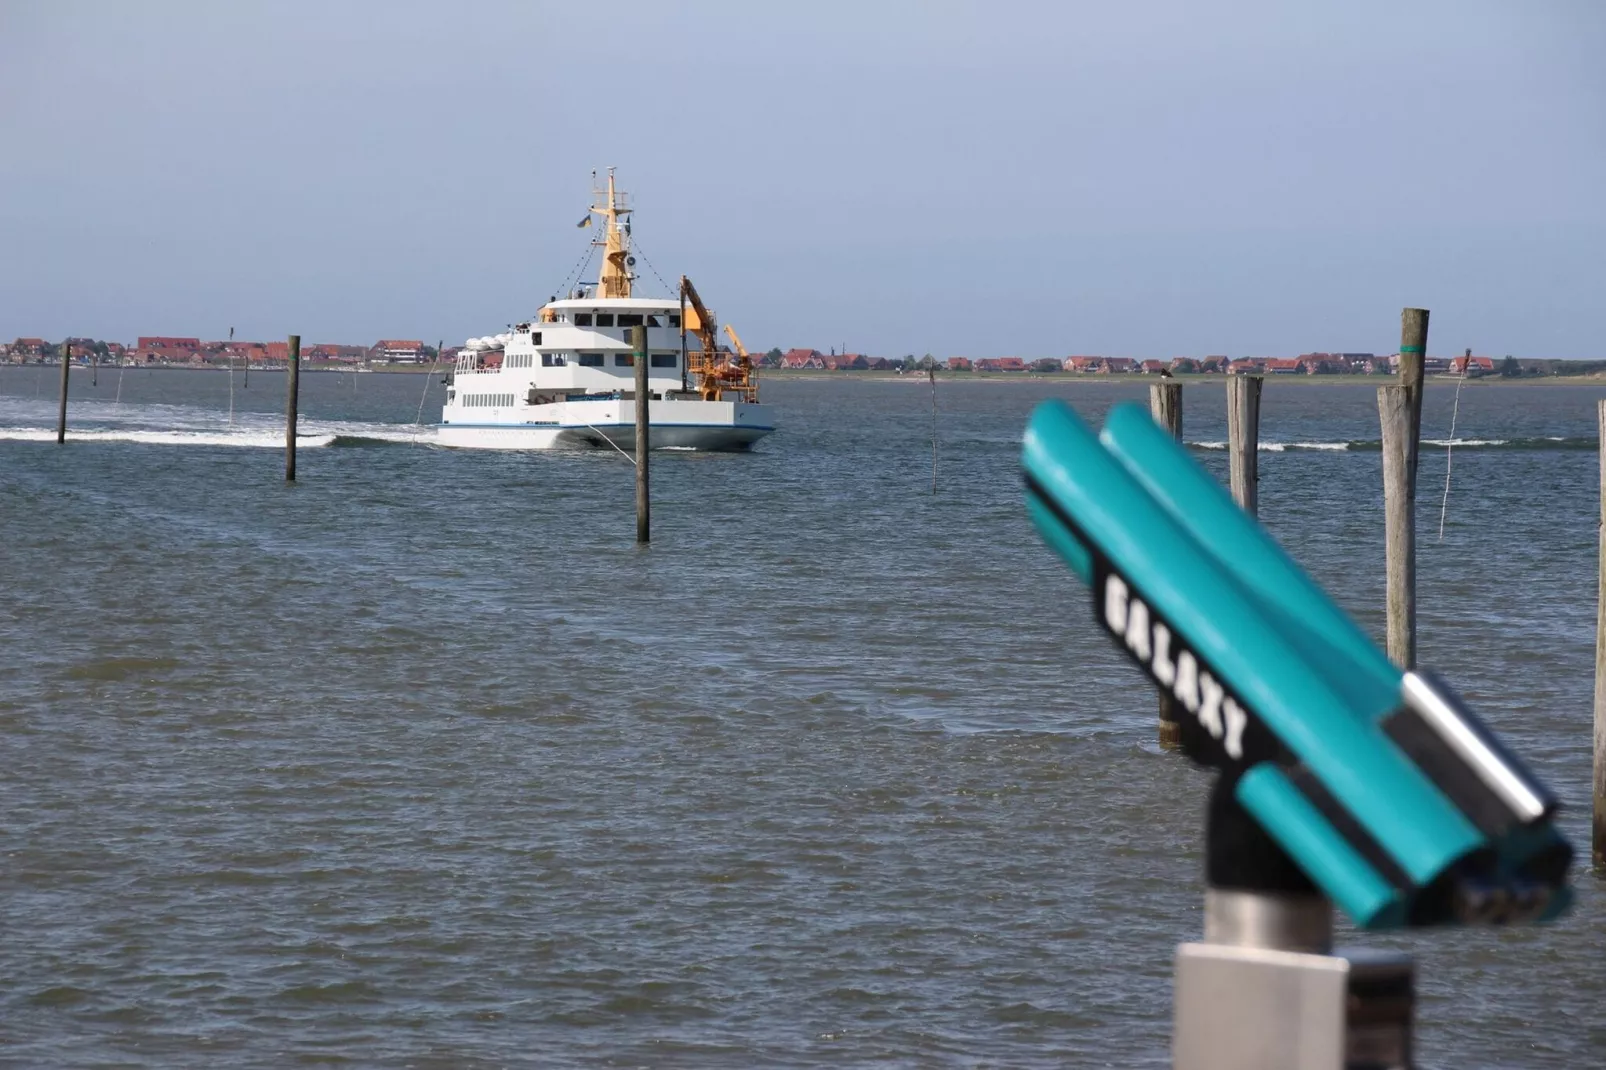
[33,420]
[224,437]
[1467,441]
[1278,447]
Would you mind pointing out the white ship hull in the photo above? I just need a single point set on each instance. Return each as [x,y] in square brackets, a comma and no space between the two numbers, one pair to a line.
[674,424]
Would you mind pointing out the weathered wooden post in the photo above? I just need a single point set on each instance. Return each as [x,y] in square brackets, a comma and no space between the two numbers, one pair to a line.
[292,388]
[1400,413]
[1165,403]
[1598,838]
[638,342]
[1243,440]
[61,413]
[1413,354]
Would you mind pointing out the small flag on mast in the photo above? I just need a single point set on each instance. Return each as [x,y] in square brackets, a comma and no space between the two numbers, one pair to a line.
[586,222]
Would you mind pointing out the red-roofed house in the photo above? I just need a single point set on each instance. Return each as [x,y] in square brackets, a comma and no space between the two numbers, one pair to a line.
[1277,366]
[1472,367]
[398,351]
[1082,364]
[1153,367]
[802,358]
[164,342]
[1117,365]
[842,362]
[959,364]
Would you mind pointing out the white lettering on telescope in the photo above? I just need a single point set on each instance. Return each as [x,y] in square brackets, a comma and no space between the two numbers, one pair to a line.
[1150,641]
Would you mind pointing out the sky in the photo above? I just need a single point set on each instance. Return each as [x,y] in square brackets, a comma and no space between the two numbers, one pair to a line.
[1148,178]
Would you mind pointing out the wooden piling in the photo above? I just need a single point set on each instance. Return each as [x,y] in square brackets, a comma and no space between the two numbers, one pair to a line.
[1413,353]
[1243,440]
[1598,837]
[1165,403]
[1399,410]
[638,342]
[61,413]
[292,388]
[1399,529]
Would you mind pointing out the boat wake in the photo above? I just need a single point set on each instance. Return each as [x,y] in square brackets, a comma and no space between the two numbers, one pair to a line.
[178,425]
[1546,442]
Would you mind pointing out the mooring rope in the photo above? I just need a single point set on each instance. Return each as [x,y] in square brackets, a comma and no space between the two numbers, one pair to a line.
[1449,451]
[614,444]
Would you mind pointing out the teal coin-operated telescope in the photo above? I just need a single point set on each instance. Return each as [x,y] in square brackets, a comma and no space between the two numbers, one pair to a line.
[1342,776]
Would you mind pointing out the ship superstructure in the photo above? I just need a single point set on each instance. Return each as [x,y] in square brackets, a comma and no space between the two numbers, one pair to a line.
[567,376]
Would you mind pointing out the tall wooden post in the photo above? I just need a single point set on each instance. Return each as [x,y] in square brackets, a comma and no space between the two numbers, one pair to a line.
[1399,529]
[1413,354]
[292,388]
[1598,839]
[1165,403]
[1400,413]
[1243,440]
[638,342]
[61,413]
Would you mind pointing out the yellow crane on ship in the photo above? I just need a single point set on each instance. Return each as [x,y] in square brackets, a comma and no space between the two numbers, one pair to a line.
[716,374]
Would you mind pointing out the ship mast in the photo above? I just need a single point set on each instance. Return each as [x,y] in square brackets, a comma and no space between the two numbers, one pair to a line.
[613,206]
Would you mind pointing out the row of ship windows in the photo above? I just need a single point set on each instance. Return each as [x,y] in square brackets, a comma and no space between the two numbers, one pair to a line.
[608,319]
[488,401]
[588,360]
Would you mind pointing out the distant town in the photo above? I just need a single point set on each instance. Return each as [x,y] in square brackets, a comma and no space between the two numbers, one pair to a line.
[400,354]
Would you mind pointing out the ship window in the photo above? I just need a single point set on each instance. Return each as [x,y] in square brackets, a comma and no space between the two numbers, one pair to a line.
[590,360]
[582,319]
[674,319]
[546,360]
[624,360]
[535,337]
[663,360]
[630,321]
[604,319]
[655,321]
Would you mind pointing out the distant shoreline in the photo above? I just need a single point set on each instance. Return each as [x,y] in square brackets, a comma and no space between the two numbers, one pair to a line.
[1127,378]
[306,366]
[914,377]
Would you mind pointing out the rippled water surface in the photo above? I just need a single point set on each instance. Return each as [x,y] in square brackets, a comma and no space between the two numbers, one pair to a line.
[422,762]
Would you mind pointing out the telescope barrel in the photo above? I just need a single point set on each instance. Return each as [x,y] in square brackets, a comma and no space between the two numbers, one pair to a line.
[1381,786]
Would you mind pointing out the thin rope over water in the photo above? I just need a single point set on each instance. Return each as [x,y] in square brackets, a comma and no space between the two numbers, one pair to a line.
[427,377]
[1449,449]
[614,444]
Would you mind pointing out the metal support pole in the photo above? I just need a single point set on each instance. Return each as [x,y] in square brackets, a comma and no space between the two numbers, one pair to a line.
[292,388]
[638,342]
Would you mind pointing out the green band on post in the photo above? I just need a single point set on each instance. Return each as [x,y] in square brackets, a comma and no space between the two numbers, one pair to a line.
[1410,349]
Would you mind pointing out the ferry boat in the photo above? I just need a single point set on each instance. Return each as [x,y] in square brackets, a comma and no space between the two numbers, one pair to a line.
[567,376]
